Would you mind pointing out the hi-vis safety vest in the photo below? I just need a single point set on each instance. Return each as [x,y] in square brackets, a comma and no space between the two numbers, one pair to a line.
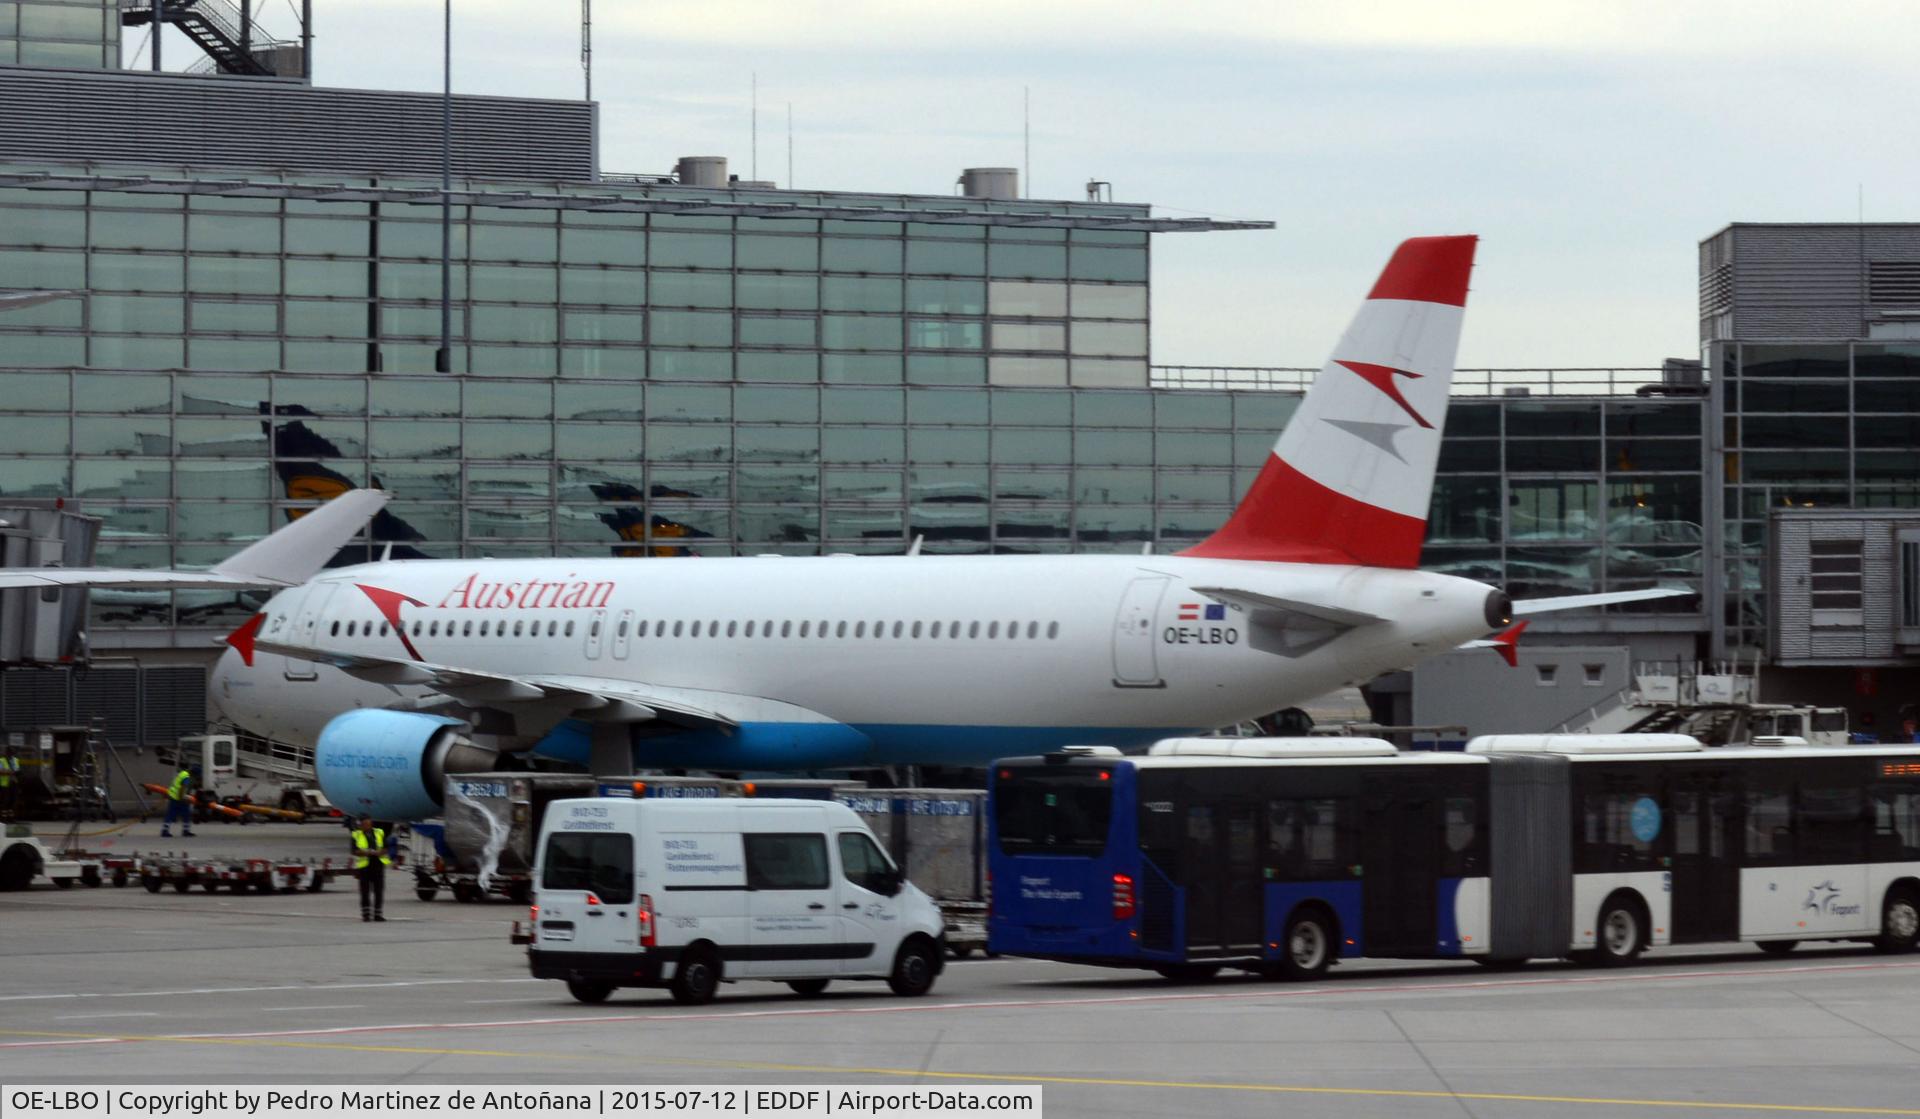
[379,844]
[8,767]
[178,789]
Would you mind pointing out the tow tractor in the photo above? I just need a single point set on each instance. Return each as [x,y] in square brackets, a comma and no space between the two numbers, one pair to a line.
[23,858]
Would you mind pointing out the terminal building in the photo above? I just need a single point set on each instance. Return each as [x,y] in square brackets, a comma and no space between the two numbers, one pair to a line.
[680,364]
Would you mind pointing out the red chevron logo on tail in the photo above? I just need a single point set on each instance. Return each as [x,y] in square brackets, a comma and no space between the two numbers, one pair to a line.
[1382,378]
[389,603]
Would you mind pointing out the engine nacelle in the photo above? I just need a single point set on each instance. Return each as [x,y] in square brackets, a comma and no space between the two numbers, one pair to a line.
[393,765]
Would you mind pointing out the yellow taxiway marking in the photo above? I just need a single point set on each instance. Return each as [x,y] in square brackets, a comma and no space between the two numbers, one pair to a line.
[628,1060]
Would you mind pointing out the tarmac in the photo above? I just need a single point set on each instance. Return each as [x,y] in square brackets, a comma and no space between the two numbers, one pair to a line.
[114,985]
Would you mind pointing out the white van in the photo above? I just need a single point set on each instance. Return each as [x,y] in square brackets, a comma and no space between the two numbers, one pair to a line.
[688,894]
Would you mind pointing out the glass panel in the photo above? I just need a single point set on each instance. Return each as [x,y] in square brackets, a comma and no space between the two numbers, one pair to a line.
[328,277]
[1553,454]
[234,234]
[236,275]
[413,439]
[684,365]
[1793,361]
[603,285]
[864,485]
[1794,396]
[850,293]
[37,435]
[1113,486]
[758,330]
[223,520]
[533,243]
[687,402]
[220,395]
[782,444]
[415,397]
[1552,509]
[796,254]
[116,393]
[1034,445]
[116,229]
[1046,262]
[1026,371]
[946,258]
[119,271]
[691,250]
[530,482]
[845,254]
[861,369]
[1214,488]
[863,444]
[777,405]
[107,478]
[1109,301]
[778,483]
[509,440]
[947,297]
[150,314]
[232,480]
[603,246]
[321,236]
[947,445]
[692,328]
[944,334]
[1108,264]
[677,443]
[622,441]
[228,316]
[1652,419]
[1194,409]
[1036,336]
[783,524]
[946,369]
[421,480]
[850,332]
[517,400]
[1188,448]
[42,225]
[781,293]
[597,402]
[307,318]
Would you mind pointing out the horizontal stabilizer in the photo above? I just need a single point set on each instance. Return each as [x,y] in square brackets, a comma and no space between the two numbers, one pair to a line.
[286,557]
[1266,609]
[1580,601]
[1506,643]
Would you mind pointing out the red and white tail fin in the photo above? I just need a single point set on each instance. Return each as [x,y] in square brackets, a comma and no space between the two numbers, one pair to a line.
[1350,479]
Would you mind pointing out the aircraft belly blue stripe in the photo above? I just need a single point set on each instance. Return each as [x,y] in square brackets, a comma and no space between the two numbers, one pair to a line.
[838,745]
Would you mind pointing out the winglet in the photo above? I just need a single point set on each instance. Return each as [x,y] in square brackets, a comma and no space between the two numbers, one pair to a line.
[296,552]
[242,639]
[1507,643]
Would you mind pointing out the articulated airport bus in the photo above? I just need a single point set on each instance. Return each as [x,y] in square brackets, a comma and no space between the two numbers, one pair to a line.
[1281,856]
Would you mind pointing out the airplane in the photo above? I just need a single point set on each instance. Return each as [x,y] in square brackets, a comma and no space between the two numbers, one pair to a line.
[400,672]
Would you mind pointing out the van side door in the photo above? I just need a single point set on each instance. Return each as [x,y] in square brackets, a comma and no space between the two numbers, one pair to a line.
[792,930]
[867,898]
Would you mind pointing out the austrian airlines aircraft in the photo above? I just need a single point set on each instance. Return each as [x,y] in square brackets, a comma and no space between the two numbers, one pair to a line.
[835,662]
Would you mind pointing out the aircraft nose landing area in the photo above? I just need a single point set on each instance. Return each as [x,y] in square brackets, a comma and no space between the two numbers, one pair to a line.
[120,985]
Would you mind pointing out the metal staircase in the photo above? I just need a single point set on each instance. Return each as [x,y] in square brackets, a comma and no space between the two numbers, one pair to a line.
[227,34]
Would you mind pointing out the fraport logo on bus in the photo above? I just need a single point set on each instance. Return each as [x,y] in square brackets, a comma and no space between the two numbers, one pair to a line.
[1824,899]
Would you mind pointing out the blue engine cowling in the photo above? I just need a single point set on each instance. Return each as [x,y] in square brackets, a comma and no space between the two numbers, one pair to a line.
[392,765]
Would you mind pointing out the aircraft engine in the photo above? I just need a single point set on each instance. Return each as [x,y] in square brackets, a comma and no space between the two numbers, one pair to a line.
[393,765]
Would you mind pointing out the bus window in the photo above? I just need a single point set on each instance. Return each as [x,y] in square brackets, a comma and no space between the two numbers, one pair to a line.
[1769,826]
[1307,841]
[1618,826]
[1461,821]
[1053,817]
[223,754]
[1829,825]
[1896,824]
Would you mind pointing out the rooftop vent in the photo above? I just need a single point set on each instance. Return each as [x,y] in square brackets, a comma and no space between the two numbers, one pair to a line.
[990,182]
[701,171]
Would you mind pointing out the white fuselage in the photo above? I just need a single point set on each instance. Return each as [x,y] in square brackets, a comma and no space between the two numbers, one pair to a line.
[950,659]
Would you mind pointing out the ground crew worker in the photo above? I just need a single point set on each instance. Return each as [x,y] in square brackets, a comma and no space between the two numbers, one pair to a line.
[179,804]
[370,863]
[9,785]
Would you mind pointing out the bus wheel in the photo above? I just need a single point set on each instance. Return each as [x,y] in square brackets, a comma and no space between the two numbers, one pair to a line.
[1307,947]
[1623,934]
[1777,947]
[1188,973]
[1899,921]
[589,991]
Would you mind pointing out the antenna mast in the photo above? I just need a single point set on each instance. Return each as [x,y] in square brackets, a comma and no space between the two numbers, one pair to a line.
[586,43]
[755,113]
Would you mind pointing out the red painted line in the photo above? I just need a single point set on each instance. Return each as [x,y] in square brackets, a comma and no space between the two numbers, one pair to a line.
[999,1004]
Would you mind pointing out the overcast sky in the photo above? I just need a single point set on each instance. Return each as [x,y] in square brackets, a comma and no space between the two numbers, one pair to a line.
[1591,144]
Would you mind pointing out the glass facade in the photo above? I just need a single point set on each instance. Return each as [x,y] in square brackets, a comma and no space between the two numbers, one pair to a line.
[1807,426]
[69,34]
[1558,497]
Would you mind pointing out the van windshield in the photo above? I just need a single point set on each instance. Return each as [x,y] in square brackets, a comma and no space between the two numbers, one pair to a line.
[1052,813]
[601,864]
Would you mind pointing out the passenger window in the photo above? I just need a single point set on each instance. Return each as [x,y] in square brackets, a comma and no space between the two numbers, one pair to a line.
[383,629]
[553,627]
[749,629]
[1013,630]
[335,631]
[973,629]
[1053,630]
[993,630]
[416,629]
[786,862]
[568,632]
[934,632]
[621,629]
[433,630]
[602,864]
[897,627]
[1620,825]
[863,864]
[1896,825]
[677,627]
[823,627]
[1769,826]
[732,628]
[1033,630]
[859,629]
[786,629]
[1461,829]
[840,629]
[517,626]
[803,628]
[466,629]
[953,630]
[1307,839]
[593,629]
[1829,825]
[916,629]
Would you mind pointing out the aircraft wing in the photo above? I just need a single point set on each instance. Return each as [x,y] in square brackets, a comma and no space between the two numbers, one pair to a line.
[594,698]
[1527,606]
[285,557]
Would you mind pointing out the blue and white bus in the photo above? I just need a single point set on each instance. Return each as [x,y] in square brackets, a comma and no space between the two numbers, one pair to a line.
[1281,856]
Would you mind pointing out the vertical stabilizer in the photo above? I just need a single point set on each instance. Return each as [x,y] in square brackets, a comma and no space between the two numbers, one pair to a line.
[1350,479]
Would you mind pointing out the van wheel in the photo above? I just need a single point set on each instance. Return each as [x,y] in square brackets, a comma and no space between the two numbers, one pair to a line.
[18,867]
[589,991]
[426,893]
[1777,947]
[696,979]
[1899,921]
[1306,949]
[808,988]
[1622,931]
[914,970]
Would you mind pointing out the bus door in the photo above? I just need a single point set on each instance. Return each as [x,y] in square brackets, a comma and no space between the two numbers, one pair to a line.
[1400,868]
[1222,874]
[1706,859]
